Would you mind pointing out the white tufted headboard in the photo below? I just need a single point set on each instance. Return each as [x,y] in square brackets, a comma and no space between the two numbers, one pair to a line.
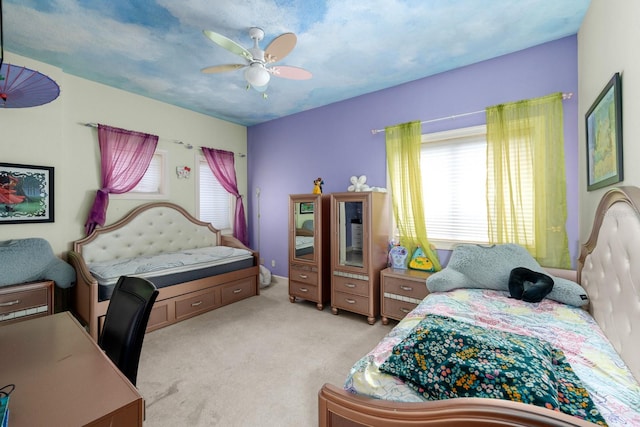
[149,229]
[609,270]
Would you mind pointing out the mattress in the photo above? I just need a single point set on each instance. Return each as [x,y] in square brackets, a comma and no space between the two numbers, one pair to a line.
[611,385]
[170,268]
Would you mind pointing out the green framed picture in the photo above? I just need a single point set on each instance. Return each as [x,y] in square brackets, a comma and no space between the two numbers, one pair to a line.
[604,137]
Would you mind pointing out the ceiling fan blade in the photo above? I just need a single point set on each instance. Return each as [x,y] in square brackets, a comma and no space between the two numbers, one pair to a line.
[287,72]
[222,68]
[228,44]
[280,47]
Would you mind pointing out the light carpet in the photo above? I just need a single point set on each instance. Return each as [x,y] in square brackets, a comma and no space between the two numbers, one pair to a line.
[258,362]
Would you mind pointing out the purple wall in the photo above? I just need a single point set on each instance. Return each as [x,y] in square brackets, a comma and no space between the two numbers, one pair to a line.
[335,142]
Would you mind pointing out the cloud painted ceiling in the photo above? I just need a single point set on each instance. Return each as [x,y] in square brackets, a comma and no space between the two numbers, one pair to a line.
[156,48]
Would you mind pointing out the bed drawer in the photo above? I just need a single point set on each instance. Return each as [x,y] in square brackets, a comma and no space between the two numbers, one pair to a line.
[195,304]
[304,276]
[303,290]
[350,302]
[238,290]
[351,286]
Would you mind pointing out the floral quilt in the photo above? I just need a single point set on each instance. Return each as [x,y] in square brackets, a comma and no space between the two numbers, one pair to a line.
[444,358]
[611,386]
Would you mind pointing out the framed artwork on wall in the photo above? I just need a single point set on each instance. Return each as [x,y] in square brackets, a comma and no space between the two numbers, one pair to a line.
[26,194]
[306,208]
[604,137]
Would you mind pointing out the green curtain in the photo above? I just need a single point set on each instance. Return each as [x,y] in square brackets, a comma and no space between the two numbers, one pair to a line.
[403,161]
[532,212]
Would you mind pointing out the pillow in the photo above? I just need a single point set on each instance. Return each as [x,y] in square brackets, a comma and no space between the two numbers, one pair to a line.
[529,285]
[489,267]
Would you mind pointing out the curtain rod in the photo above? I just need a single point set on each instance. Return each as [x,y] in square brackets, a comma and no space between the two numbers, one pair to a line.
[455,116]
[175,141]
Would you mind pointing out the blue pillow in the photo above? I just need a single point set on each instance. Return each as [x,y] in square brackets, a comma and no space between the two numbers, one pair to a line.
[489,267]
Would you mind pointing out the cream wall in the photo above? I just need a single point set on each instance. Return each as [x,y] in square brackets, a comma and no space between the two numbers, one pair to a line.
[608,42]
[53,135]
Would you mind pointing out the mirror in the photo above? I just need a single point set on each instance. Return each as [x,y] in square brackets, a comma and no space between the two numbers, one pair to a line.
[304,220]
[350,233]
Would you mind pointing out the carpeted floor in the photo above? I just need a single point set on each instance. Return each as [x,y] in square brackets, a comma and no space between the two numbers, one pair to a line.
[258,362]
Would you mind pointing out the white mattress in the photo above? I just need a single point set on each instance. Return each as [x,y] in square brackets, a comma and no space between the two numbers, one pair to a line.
[304,242]
[108,272]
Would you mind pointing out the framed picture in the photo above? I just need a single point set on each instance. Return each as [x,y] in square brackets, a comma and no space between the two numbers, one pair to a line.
[604,137]
[26,193]
[306,207]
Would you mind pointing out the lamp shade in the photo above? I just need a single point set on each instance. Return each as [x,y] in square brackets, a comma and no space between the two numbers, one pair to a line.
[21,87]
[257,75]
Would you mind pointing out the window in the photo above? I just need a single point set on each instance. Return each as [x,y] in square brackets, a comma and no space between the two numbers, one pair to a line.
[214,202]
[153,184]
[453,165]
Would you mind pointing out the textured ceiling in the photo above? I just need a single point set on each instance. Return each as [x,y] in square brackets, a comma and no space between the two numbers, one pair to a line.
[156,48]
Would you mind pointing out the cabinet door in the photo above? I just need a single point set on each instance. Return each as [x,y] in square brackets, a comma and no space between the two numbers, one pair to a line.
[351,228]
[303,228]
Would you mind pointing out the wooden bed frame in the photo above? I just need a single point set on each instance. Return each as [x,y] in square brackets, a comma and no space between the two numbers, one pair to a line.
[608,268]
[153,228]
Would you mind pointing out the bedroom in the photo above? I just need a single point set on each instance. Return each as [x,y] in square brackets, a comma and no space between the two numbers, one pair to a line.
[52,135]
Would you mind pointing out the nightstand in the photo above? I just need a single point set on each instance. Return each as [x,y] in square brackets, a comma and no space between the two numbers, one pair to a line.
[25,301]
[401,291]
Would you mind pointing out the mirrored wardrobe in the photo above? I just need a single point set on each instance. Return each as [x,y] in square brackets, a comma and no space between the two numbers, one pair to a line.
[360,235]
[309,248]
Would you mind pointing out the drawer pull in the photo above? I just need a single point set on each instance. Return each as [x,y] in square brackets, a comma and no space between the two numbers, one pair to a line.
[405,310]
[9,303]
[304,276]
[406,288]
[350,285]
[350,301]
[195,304]
[304,290]
[237,291]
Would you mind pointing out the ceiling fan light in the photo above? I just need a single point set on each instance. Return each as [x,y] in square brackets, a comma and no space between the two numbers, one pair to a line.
[257,75]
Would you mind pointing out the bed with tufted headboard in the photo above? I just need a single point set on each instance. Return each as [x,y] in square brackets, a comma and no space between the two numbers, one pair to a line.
[609,272]
[194,266]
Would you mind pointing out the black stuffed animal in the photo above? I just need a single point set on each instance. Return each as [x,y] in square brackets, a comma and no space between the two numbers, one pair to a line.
[529,285]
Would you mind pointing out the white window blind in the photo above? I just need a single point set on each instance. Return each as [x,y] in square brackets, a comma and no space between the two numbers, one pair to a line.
[213,200]
[153,184]
[454,172]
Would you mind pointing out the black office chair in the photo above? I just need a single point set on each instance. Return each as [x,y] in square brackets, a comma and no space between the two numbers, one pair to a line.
[126,322]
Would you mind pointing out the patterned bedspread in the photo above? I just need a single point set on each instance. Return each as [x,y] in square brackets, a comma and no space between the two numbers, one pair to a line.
[611,386]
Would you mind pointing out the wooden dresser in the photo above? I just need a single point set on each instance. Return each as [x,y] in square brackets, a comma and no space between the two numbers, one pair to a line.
[25,301]
[309,248]
[402,290]
[359,239]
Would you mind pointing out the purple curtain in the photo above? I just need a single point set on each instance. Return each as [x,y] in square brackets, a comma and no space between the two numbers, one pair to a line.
[222,165]
[125,156]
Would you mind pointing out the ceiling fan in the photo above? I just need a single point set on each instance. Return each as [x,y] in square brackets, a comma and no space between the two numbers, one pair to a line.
[258,68]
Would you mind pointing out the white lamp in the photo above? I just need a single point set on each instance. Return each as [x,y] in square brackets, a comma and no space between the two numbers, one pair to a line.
[257,75]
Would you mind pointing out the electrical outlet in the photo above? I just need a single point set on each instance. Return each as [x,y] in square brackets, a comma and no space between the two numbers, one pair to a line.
[261,261]
[273,263]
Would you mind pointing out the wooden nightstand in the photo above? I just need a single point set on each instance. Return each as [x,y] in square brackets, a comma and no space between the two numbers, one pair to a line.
[25,301]
[401,292]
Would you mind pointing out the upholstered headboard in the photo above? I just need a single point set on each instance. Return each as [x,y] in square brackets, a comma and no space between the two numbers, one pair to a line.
[609,269]
[149,229]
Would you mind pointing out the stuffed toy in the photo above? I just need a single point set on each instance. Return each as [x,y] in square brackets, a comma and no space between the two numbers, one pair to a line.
[317,185]
[358,183]
[529,285]
[419,261]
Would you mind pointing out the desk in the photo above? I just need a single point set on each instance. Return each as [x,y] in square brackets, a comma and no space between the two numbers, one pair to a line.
[62,377]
